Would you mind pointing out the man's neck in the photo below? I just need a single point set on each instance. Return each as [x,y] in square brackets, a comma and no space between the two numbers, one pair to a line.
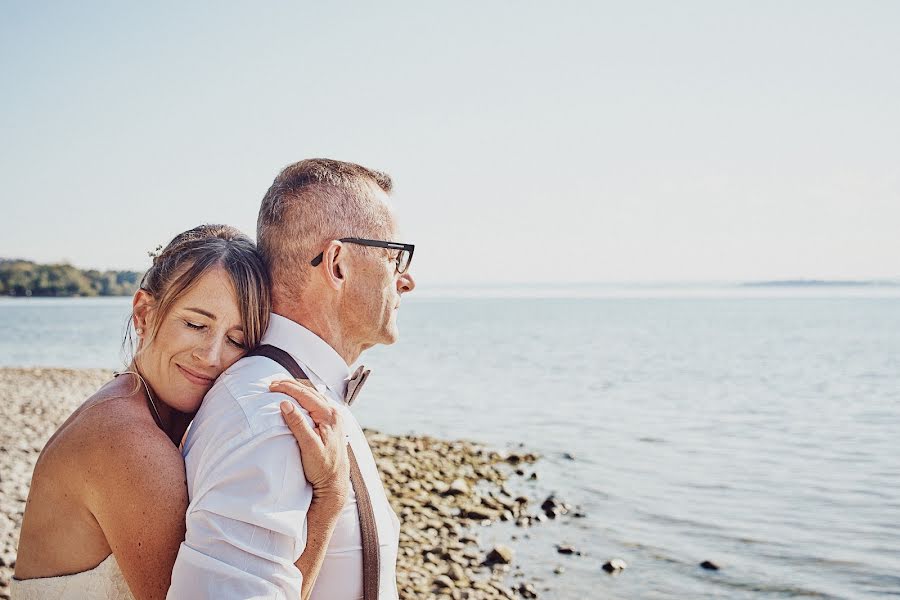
[323,324]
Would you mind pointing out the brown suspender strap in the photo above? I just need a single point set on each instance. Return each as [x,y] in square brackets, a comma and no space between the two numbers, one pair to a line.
[282,358]
[367,529]
[369,533]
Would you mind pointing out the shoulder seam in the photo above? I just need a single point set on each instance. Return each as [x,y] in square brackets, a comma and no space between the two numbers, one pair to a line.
[228,385]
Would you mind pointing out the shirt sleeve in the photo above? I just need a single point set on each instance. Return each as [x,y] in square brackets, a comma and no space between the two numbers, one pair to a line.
[246,522]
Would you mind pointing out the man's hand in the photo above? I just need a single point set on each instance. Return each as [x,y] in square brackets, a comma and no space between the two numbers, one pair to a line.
[323,449]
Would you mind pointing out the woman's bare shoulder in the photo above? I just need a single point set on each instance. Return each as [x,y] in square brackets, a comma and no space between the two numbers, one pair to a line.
[112,433]
[107,459]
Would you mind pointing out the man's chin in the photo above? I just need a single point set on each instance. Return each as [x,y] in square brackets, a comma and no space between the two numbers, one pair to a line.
[383,340]
[390,337]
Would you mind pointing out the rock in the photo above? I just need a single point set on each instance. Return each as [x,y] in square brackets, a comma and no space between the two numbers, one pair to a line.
[710,565]
[458,574]
[479,513]
[514,459]
[533,476]
[504,502]
[491,503]
[559,570]
[615,565]
[566,549]
[459,487]
[554,507]
[550,503]
[526,590]
[500,554]
[568,456]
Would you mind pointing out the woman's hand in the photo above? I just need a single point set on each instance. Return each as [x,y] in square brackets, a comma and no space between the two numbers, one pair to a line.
[323,449]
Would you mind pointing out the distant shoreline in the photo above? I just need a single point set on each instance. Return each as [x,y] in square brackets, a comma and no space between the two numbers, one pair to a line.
[822,283]
[27,279]
[687,284]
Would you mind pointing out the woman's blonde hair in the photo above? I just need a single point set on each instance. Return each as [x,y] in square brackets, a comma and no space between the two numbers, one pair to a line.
[192,254]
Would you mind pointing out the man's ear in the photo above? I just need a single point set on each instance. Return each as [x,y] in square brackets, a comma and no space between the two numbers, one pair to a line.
[142,312]
[337,263]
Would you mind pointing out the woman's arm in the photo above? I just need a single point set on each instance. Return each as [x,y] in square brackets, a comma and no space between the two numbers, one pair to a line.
[323,452]
[321,518]
[135,489]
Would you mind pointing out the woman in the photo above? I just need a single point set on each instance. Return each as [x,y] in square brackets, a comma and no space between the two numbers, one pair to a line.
[105,513]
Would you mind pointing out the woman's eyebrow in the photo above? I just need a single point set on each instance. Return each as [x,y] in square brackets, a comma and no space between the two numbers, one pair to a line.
[205,313]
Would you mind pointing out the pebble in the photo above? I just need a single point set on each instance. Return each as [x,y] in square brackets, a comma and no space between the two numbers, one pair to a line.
[710,565]
[615,565]
[500,554]
[566,549]
[459,487]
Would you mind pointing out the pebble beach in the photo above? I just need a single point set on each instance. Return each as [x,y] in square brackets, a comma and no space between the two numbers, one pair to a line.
[443,491]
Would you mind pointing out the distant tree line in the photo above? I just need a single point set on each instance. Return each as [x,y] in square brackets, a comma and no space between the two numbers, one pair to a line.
[26,278]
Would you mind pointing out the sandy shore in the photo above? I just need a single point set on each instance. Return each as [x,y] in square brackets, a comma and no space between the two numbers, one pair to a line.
[440,490]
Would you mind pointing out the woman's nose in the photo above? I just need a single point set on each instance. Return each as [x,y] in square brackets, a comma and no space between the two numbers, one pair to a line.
[210,353]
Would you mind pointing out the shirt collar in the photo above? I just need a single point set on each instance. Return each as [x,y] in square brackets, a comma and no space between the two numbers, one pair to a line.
[310,350]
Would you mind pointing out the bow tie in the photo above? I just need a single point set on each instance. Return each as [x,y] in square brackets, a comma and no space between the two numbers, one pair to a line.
[355,384]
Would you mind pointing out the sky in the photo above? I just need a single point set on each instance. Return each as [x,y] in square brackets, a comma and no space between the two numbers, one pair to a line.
[529,142]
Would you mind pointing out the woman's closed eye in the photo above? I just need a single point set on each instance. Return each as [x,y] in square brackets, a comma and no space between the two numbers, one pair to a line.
[198,327]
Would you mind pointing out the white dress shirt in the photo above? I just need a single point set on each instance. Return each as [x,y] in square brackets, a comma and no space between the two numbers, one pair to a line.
[246,521]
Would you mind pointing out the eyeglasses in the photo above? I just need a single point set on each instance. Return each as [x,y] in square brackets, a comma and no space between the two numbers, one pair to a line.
[404,251]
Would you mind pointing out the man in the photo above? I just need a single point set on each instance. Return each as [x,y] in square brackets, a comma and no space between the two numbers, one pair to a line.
[326,231]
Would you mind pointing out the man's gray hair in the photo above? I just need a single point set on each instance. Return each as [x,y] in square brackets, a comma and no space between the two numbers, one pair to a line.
[312,202]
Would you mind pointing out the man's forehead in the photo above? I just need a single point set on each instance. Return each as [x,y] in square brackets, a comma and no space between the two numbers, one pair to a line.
[391,220]
[392,227]
[381,196]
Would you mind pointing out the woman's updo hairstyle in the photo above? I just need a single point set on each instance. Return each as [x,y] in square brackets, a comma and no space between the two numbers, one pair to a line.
[192,254]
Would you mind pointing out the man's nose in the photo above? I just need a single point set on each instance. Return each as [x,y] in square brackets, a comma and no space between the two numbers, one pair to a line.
[406,283]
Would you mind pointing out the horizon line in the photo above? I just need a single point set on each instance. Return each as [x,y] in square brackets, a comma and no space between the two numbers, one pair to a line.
[886,281]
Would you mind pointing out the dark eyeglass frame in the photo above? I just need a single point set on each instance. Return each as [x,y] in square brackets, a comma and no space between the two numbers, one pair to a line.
[377,244]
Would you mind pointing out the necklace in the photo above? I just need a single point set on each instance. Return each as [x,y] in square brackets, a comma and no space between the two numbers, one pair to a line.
[149,395]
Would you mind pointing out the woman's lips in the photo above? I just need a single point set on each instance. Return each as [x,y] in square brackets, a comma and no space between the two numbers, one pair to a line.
[195,378]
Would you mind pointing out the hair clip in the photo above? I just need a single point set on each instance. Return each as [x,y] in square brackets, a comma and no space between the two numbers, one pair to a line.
[155,253]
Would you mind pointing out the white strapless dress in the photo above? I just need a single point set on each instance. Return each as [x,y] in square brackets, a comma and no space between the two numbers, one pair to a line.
[103,582]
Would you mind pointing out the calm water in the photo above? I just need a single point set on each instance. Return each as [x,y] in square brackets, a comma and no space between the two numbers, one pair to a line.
[762,433]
